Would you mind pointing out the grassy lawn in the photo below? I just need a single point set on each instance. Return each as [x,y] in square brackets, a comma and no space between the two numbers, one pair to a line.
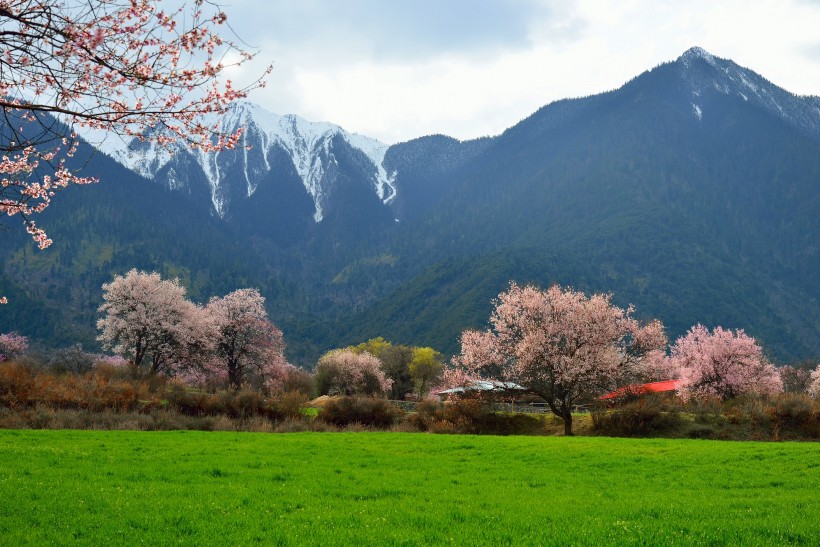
[99,487]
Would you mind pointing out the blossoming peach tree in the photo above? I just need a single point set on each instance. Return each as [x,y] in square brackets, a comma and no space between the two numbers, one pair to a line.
[125,67]
[250,349]
[229,342]
[559,344]
[721,363]
[345,372]
[12,345]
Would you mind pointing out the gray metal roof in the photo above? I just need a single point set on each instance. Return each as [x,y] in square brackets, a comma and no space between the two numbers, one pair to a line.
[484,385]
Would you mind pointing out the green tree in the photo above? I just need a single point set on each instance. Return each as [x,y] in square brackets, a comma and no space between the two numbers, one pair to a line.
[395,363]
[425,368]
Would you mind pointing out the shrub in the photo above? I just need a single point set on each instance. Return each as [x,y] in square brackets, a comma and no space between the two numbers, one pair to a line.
[11,419]
[187,400]
[16,385]
[223,423]
[645,415]
[748,409]
[298,380]
[792,410]
[701,432]
[704,410]
[342,411]
[472,415]
[23,387]
[291,426]
[258,424]
[244,403]
[795,414]
[289,404]
[72,360]
[344,372]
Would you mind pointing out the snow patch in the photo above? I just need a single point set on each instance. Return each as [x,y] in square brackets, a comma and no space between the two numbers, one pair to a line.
[210,166]
[747,83]
[143,158]
[245,145]
[728,78]
[309,144]
[695,53]
[375,150]
[173,182]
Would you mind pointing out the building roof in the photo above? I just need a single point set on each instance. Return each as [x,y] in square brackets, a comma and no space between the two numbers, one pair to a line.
[484,385]
[642,389]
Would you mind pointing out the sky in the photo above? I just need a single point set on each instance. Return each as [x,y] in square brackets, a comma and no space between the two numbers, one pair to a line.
[400,69]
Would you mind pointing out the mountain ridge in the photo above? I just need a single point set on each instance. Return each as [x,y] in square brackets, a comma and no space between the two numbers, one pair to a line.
[308,144]
[703,214]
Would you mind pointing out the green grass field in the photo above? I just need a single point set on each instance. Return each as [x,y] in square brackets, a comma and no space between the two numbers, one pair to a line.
[159,488]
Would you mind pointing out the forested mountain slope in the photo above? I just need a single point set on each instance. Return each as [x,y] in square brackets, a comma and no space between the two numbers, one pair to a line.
[691,192]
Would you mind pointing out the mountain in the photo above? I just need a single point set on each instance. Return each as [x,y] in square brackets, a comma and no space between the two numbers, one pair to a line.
[703,73]
[690,192]
[272,150]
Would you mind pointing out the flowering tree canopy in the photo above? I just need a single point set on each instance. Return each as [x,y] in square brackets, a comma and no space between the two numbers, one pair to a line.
[722,363]
[558,343]
[231,340]
[814,387]
[249,348]
[12,345]
[127,67]
[344,372]
[149,320]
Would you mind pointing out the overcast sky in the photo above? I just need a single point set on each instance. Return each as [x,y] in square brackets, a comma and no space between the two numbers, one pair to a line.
[400,69]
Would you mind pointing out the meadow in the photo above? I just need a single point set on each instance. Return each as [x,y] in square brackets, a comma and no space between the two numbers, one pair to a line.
[127,487]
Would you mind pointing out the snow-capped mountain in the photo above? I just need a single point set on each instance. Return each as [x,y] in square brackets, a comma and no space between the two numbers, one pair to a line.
[274,147]
[310,147]
[691,191]
[703,72]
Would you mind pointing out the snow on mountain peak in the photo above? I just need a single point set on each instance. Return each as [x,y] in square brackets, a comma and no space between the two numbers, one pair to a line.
[697,53]
[309,145]
[728,78]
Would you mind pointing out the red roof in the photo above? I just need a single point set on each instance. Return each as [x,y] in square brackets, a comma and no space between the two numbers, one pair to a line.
[640,389]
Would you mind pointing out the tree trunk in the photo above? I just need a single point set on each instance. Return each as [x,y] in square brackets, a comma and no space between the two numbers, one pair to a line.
[560,409]
[567,423]
[234,379]
[154,368]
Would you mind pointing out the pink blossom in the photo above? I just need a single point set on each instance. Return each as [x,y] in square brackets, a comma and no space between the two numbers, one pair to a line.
[560,344]
[121,66]
[722,363]
[345,372]
[115,361]
[249,348]
[12,345]
[149,320]
[814,387]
